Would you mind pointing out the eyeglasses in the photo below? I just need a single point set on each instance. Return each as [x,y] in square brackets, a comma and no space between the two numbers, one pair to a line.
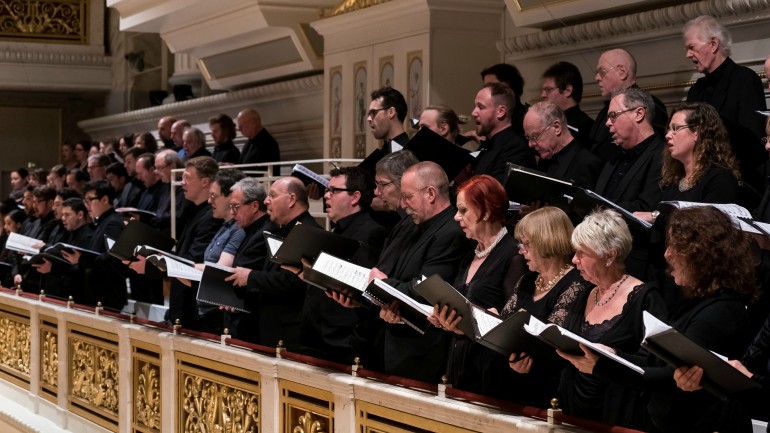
[548,90]
[523,245]
[765,140]
[235,207]
[613,115]
[333,190]
[674,128]
[409,196]
[536,137]
[383,185]
[601,72]
[373,112]
[88,200]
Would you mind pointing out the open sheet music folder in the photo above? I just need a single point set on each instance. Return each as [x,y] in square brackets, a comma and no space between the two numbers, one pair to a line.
[332,273]
[307,242]
[413,313]
[214,290]
[676,350]
[139,233]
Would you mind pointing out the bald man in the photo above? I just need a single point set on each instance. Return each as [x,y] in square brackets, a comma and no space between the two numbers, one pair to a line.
[615,71]
[260,145]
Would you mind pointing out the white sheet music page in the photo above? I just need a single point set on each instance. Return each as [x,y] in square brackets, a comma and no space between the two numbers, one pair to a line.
[484,321]
[273,244]
[177,269]
[349,273]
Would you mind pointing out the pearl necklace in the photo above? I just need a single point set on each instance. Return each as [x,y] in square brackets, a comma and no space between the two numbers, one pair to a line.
[541,287]
[485,252]
[617,286]
[685,184]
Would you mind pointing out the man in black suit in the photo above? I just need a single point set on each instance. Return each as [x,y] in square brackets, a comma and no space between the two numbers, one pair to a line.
[276,295]
[260,145]
[194,143]
[386,115]
[615,71]
[493,121]
[104,276]
[435,247]
[222,134]
[631,180]
[509,75]
[561,155]
[327,328]
[735,91]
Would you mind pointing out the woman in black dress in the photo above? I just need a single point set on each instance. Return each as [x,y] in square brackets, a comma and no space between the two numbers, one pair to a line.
[481,206]
[712,261]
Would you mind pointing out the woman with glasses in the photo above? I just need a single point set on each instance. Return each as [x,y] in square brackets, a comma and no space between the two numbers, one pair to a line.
[698,162]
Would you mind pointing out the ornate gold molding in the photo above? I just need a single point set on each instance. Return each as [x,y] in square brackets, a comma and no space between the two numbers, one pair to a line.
[44,20]
[215,407]
[147,396]
[308,424]
[49,359]
[15,346]
[642,22]
[354,5]
[94,379]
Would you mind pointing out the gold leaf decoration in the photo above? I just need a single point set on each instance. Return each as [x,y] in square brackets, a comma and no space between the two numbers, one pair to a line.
[354,5]
[44,19]
[211,407]
[50,359]
[308,425]
[15,345]
[148,396]
[95,375]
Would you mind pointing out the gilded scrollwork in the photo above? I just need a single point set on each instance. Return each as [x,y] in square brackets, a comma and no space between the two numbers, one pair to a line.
[15,345]
[148,396]
[57,19]
[210,407]
[354,5]
[50,359]
[95,375]
[308,424]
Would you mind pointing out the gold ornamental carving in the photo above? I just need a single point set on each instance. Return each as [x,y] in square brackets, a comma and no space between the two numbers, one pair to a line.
[15,345]
[308,424]
[354,5]
[95,375]
[60,20]
[50,359]
[211,407]
[148,396]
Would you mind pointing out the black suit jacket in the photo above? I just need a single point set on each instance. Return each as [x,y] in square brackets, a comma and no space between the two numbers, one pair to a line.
[104,276]
[261,148]
[736,92]
[327,327]
[226,152]
[191,245]
[496,152]
[278,295]
[435,248]
[639,188]
[574,163]
[581,121]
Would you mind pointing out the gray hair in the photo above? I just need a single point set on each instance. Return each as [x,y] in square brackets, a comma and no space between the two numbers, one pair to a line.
[602,231]
[548,112]
[708,27]
[636,97]
[199,136]
[170,157]
[253,190]
[395,164]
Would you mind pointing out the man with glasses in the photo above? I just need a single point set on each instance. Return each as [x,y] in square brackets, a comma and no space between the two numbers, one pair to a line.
[563,85]
[615,71]
[435,247]
[104,276]
[165,161]
[502,145]
[274,295]
[561,156]
[632,179]
[97,166]
[386,115]
[328,328]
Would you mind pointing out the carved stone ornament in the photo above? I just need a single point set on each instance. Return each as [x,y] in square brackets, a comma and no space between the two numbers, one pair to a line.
[148,396]
[211,407]
[354,5]
[49,357]
[15,345]
[95,375]
[308,425]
